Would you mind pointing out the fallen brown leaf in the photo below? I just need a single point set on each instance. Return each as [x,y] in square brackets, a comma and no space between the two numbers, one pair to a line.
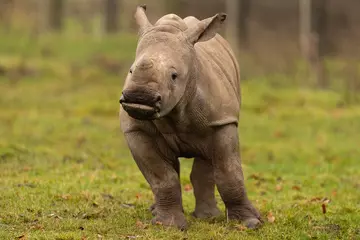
[138,196]
[278,134]
[26,169]
[240,227]
[297,188]
[334,192]
[254,176]
[337,113]
[278,187]
[37,227]
[23,237]
[132,236]
[187,188]
[271,217]
[141,225]
[65,196]
[315,199]
[86,195]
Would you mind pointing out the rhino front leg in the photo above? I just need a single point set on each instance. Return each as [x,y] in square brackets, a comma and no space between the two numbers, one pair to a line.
[202,179]
[229,177]
[176,165]
[157,163]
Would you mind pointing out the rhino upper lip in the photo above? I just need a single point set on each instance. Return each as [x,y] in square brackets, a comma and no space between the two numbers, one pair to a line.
[130,105]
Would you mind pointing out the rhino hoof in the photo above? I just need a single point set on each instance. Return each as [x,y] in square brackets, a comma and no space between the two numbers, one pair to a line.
[208,213]
[252,223]
[247,214]
[172,220]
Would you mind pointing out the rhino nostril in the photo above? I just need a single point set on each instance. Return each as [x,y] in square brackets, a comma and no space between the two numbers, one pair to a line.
[122,99]
[158,98]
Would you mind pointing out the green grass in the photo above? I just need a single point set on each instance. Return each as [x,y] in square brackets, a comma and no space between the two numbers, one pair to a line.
[66,173]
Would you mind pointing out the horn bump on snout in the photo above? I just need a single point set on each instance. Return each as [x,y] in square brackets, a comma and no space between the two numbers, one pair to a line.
[146,64]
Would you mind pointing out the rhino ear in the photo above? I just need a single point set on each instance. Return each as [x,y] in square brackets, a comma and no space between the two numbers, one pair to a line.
[205,29]
[141,18]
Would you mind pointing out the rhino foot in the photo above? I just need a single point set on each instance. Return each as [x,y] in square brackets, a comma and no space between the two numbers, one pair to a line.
[247,214]
[170,219]
[206,212]
[153,209]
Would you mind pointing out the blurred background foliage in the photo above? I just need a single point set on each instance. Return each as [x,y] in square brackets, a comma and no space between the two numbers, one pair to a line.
[313,42]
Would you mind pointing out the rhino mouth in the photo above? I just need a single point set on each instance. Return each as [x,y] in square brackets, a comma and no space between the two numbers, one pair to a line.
[141,111]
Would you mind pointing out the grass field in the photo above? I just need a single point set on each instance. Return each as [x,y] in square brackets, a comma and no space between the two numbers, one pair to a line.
[66,173]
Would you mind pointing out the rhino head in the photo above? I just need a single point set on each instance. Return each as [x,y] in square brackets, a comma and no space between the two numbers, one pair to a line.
[165,63]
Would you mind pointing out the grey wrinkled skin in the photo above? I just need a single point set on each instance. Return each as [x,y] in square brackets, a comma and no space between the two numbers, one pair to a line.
[181,98]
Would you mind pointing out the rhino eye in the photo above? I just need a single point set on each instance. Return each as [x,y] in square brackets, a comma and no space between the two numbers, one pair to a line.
[130,71]
[174,76]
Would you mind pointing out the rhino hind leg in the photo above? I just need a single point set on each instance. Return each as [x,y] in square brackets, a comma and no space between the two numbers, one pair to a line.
[202,179]
[229,177]
[159,169]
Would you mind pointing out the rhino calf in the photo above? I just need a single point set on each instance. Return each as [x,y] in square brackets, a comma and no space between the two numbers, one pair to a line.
[181,98]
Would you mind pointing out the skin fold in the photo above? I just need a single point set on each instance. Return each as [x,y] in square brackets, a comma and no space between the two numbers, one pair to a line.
[181,98]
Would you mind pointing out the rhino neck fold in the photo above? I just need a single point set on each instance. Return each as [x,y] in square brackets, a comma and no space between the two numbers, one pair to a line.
[190,90]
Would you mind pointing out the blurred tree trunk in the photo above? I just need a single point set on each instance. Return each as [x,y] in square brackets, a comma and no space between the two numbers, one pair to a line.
[42,16]
[111,16]
[313,28]
[305,27]
[56,13]
[232,30]
[6,8]
[237,30]
[244,13]
[320,25]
